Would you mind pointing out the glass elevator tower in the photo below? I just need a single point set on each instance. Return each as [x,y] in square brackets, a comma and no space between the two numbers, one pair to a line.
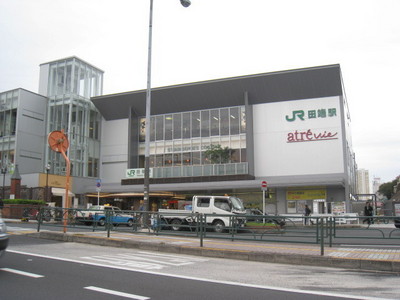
[69,83]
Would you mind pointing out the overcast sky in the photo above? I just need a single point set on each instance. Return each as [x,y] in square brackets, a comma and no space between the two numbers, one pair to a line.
[222,38]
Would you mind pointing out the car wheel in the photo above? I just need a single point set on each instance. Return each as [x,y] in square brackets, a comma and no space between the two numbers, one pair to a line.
[219,226]
[397,223]
[130,223]
[176,225]
[101,222]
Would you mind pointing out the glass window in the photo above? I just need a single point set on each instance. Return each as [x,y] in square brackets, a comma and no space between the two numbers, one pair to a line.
[186,158]
[195,124]
[203,202]
[214,120]
[152,128]
[205,123]
[234,120]
[159,160]
[177,159]
[159,128]
[186,125]
[177,121]
[242,120]
[168,160]
[196,158]
[224,121]
[168,127]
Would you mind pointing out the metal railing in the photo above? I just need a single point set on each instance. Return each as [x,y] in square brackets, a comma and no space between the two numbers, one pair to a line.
[201,170]
[319,230]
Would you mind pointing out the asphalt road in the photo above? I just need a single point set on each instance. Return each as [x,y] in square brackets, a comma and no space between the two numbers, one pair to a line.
[44,269]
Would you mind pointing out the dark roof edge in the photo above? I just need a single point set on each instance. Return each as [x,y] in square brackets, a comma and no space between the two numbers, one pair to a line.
[219,80]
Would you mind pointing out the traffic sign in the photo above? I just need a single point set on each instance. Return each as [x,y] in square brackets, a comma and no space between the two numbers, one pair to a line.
[98,183]
[264,185]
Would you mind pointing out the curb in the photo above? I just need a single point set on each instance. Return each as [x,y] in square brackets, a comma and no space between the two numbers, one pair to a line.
[255,256]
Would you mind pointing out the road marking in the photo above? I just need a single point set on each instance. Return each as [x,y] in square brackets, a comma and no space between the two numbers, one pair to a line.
[116,293]
[233,283]
[145,260]
[21,273]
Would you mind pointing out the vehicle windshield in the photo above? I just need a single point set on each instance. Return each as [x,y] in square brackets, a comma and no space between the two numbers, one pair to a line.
[237,203]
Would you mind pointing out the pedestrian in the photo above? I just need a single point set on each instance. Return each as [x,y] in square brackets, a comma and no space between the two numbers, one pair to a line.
[307,213]
[368,212]
[1,207]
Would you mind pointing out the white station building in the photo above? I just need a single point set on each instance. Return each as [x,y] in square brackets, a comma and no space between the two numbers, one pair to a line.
[225,136]
[290,129]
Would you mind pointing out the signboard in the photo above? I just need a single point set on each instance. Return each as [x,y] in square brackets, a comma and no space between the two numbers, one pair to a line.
[264,186]
[306,194]
[137,173]
[306,136]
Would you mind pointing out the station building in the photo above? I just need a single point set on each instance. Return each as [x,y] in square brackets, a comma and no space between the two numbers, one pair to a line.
[225,136]
[289,128]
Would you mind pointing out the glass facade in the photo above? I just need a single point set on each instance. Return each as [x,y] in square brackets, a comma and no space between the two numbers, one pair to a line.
[8,122]
[71,84]
[181,139]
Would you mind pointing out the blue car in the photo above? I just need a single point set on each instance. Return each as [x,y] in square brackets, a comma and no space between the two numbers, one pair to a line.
[97,214]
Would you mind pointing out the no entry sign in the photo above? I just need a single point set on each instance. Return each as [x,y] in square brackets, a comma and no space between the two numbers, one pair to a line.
[264,185]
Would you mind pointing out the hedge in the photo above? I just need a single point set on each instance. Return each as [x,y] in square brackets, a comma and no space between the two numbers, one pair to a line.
[24,201]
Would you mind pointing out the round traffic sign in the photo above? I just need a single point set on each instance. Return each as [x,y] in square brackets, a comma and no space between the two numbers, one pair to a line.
[263,184]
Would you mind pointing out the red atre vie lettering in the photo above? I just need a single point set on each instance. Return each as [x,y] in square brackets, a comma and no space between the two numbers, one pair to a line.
[310,136]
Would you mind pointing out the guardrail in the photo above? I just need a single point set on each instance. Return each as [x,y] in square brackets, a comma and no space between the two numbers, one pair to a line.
[320,230]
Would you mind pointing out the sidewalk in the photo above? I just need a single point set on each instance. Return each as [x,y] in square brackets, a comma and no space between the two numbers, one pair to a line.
[359,258]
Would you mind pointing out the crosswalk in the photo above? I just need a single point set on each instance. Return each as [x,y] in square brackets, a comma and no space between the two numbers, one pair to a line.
[144,260]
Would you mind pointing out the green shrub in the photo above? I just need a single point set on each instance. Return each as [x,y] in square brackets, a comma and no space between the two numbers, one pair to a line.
[24,201]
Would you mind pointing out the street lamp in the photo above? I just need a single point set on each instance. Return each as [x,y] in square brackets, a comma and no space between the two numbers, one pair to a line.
[4,172]
[47,183]
[146,189]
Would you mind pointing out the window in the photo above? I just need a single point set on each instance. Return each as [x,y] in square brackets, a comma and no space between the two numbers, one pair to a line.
[214,120]
[168,127]
[177,121]
[186,125]
[222,204]
[195,124]
[203,202]
[205,123]
[224,114]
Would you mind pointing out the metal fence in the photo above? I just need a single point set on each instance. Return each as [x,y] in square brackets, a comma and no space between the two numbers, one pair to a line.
[324,231]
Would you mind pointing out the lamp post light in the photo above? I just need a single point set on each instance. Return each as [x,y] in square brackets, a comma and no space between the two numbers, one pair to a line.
[4,172]
[146,188]
[47,183]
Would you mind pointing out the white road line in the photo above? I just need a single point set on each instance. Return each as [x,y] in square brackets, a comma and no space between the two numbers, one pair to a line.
[21,273]
[331,294]
[116,293]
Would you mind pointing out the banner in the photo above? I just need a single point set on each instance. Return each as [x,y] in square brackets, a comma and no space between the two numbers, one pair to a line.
[305,194]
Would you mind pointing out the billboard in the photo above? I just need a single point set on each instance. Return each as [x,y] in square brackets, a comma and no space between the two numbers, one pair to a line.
[302,137]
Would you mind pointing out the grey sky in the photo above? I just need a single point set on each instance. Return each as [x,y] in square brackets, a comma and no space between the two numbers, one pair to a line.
[222,38]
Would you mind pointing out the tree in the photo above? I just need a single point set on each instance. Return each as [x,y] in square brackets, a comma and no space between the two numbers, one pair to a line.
[218,155]
[387,188]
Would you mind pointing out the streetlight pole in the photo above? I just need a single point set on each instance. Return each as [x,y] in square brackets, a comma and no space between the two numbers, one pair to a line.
[47,183]
[146,188]
[4,172]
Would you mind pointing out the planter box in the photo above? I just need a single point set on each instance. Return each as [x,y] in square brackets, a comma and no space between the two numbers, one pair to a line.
[17,211]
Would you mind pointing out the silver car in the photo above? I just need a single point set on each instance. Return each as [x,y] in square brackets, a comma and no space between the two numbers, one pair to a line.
[3,237]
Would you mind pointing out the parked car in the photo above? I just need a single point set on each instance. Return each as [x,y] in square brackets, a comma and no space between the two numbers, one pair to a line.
[97,214]
[3,237]
[258,214]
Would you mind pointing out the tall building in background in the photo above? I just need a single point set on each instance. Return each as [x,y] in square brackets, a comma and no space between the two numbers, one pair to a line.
[363,183]
[69,83]
[376,182]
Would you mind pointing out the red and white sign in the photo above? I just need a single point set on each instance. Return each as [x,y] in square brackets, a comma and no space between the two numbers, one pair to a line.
[264,185]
